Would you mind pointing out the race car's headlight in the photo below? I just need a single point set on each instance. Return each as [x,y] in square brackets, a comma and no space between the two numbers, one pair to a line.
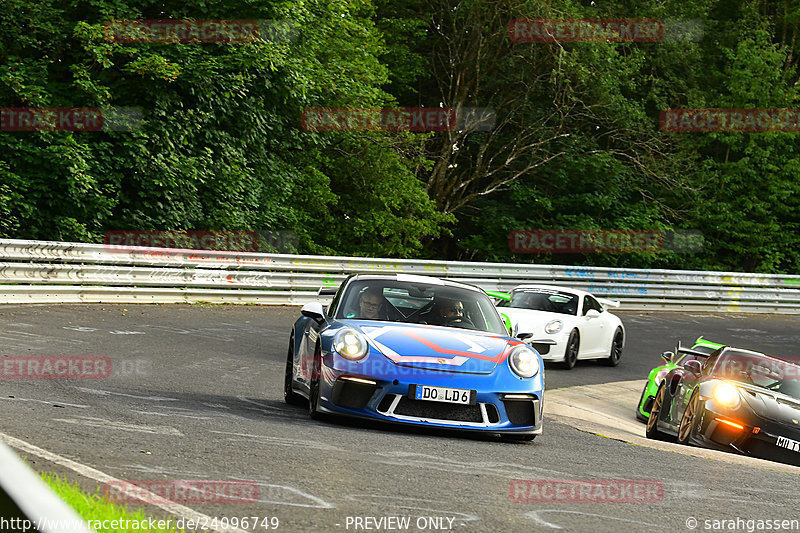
[726,394]
[523,361]
[350,344]
[554,326]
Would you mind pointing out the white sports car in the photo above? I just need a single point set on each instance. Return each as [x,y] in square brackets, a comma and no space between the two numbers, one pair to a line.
[576,321]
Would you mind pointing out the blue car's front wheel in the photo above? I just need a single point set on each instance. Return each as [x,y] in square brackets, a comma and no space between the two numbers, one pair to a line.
[313,386]
[289,395]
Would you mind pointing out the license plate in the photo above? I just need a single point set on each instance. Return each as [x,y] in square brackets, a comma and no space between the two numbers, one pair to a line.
[443,394]
[789,444]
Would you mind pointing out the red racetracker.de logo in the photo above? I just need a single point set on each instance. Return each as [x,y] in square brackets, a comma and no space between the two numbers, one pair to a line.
[756,370]
[386,119]
[571,241]
[311,368]
[51,119]
[186,492]
[585,491]
[221,240]
[730,120]
[585,30]
[55,367]
[181,31]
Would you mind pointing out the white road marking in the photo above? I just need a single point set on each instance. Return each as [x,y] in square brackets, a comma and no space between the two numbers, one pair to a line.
[174,508]
[79,406]
[173,414]
[260,405]
[80,328]
[113,424]
[160,470]
[20,338]
[435,462]
[319,503]
[535,516]
[101,392]
[282,441]
[397,502]
[127,332]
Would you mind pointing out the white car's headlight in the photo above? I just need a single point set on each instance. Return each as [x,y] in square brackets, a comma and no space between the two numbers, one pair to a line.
[524,361]
[350,344]
[554,326]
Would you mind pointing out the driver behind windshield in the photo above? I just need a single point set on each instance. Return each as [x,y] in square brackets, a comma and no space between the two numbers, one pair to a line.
[371,304]
[449,312]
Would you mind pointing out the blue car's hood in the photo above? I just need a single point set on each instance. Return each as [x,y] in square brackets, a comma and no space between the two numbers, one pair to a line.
[435,347]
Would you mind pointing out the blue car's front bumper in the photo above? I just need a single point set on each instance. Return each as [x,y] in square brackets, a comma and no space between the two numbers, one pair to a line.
[504,403]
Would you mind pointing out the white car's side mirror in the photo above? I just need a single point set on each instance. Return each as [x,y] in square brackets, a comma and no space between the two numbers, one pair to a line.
[592,313]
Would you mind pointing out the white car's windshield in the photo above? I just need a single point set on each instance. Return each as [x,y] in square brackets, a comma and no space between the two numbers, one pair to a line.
[419,303]
[543,300]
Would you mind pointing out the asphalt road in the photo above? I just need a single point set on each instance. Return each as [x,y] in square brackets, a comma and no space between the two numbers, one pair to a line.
[195,393]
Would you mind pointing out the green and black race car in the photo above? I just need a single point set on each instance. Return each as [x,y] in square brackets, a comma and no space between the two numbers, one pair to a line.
[699,351]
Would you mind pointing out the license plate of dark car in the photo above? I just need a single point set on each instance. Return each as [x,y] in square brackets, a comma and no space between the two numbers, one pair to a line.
[789,444]
[442,394]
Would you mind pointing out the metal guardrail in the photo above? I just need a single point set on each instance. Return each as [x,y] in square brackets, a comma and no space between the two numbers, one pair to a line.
[61,272]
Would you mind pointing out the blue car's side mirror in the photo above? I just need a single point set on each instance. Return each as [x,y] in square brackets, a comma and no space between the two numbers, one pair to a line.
[314,311]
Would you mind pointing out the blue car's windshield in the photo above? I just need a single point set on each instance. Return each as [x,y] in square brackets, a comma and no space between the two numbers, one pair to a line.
[420,303]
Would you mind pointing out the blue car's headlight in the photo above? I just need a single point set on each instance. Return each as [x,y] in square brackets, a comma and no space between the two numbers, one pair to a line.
[523,361]
[350,344]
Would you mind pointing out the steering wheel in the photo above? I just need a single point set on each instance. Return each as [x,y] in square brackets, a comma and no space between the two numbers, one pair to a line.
[416,314]
[460,322]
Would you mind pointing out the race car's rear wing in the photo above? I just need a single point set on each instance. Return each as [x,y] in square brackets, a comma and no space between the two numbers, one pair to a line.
[608,303]
[689,351]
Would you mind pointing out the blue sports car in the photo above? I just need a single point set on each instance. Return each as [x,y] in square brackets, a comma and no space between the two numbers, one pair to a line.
[415,350]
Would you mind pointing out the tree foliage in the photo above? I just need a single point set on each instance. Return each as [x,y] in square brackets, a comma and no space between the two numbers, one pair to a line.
[576,142]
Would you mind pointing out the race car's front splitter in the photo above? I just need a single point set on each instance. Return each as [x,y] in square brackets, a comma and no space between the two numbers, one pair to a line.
[500,404]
